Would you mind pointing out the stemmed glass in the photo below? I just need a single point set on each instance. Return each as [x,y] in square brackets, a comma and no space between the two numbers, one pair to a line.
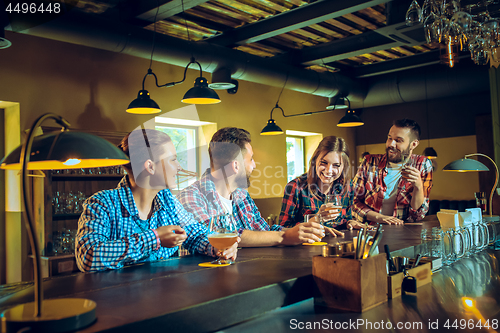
[449,7]
[432,28]
[413,14]
[222,235]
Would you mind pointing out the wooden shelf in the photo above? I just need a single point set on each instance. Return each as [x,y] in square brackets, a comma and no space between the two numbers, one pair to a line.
[60,217]
[66,177]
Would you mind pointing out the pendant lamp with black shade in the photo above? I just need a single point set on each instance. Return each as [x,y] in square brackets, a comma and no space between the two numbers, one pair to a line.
[199,94]
[351,119]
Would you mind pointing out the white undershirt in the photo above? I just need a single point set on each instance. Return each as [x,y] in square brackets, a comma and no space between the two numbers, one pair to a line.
[227,204]
[391,181]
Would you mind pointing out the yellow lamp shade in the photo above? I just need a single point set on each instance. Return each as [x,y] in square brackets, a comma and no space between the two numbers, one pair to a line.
[201,93]
[67,150]
[143,104]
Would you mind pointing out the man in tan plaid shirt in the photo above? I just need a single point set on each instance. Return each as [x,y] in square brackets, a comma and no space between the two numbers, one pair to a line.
[394,187]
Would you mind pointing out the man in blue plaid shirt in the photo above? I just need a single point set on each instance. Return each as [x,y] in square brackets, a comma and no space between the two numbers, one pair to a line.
[140,220]
[222,190]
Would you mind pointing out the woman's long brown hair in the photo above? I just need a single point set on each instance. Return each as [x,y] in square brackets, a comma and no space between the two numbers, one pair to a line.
[327,145]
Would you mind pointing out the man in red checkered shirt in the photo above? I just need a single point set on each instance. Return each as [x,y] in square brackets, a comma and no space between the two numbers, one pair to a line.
[394,187]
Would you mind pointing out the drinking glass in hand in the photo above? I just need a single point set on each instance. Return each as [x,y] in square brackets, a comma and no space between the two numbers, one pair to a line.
[223,235]
[333,207]
[407,162]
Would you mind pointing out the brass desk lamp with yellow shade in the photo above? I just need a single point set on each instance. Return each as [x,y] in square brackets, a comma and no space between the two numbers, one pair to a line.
[57,150]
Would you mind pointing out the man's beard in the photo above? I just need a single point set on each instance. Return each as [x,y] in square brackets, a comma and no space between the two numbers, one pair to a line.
[243,180]
[397,158]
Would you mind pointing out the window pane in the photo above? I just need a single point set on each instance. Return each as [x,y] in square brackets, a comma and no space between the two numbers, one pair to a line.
[294,157]
[184,140]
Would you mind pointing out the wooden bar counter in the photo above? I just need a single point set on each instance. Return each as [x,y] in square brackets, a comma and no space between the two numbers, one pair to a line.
[264,290]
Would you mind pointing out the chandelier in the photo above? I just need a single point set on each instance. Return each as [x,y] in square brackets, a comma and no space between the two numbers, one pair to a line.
[467,26]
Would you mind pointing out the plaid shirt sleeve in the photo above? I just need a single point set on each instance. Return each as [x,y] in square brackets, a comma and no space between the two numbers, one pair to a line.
[193,202]
[359,208]
[197,240]
[290,204]
[347,200]
[96,250]
[257,222]
[426,175]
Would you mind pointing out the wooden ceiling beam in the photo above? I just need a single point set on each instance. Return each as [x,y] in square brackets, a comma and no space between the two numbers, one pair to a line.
[395,37]
[297,18]
[146,9]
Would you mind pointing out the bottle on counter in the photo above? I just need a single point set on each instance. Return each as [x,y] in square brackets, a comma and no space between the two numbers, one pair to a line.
[480,201]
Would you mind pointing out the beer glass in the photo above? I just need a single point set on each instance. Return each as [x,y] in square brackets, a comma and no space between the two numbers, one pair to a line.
[468,242]
[333,206]
[222,235]
[308,218]
[407,162]
[484,234]
[492,232]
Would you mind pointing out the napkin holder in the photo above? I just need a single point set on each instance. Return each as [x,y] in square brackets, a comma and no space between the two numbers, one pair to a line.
[448,219]
[422,274]
[347,284]
[476,214]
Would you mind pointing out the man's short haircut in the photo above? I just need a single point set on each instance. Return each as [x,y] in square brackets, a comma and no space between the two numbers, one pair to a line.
[226,144]
[411,124]
[141,145]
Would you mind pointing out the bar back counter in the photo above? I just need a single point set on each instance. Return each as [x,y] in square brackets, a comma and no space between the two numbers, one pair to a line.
[271,290]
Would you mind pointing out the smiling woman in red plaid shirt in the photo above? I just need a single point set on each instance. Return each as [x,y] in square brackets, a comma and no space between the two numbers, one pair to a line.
[328,174]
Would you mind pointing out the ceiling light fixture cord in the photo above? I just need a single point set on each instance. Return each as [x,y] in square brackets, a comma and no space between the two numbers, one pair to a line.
[187,28]
[339,95]
[284,85]
[298,114]
[171,84]
[154,37]
[427,111]
[302,114]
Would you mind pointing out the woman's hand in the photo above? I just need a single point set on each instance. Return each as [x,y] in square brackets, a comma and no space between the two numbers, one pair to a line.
[328,212]
[308,232]
[352,224]
[334,232]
